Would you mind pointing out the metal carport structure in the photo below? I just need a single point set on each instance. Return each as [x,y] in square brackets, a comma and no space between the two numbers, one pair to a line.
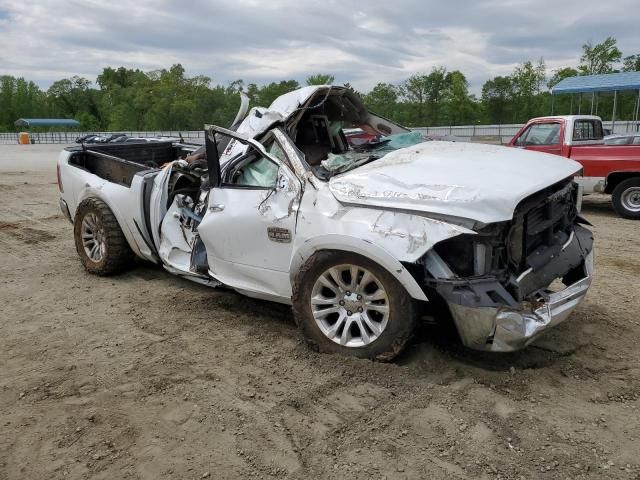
[46,122]
[595,84]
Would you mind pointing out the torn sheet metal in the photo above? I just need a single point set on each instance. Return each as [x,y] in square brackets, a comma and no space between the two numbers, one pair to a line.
[453,179]
[505,329]
[176,241]
[288,103]
[403,235]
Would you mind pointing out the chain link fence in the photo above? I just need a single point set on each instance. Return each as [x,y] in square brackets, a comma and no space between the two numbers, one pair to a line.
[502,134]
[499,134]
[194,136]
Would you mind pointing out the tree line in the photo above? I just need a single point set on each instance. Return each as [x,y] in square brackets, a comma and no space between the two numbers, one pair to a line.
[168,99]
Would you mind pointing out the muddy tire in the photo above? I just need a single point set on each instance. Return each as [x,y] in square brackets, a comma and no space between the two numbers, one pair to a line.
[100,243]
[345,303]
[626,198]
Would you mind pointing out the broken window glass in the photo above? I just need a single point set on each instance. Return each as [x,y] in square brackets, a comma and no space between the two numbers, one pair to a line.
[368,152]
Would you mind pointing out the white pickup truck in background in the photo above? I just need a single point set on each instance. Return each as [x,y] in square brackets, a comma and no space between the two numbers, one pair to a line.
[361,242]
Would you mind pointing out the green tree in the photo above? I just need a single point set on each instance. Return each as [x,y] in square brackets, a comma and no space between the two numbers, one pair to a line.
[631,63]
[424,93]
[497,99]
[268,93]
[320,79]
[383,99]
[126,98]
[599,58]
[560,74]
[71,96]
[528,80]
[458,105]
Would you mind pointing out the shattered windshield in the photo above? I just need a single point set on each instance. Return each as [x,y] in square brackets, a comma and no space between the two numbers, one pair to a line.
[368,152]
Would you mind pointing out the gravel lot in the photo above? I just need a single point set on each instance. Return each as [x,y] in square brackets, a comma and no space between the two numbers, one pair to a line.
[149,376]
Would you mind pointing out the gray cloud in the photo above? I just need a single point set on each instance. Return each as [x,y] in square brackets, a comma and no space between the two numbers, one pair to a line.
[362,43]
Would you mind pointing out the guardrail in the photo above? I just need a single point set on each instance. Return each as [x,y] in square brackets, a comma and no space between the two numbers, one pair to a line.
[500,133]
[504,133]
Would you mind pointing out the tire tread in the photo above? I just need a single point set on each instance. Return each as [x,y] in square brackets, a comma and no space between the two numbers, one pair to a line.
[119,255]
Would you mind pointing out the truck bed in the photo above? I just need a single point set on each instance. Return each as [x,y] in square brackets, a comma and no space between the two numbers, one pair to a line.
[119,163]
[602,160]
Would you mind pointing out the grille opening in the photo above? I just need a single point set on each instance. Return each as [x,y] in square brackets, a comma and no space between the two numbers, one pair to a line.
[458,254]
[541,221]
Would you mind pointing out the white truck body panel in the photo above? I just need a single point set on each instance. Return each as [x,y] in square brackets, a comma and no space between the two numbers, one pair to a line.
[454,179]
[393,210]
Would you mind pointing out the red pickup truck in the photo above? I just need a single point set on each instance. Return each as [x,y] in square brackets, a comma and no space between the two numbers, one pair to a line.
[613,169]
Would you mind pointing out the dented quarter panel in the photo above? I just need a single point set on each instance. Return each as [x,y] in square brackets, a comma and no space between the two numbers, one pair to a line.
[453,179]
[124,202]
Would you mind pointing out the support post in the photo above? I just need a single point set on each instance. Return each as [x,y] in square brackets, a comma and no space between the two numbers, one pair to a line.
[635,116]
[571,107]
[579,104]
[613,115]
[593,95]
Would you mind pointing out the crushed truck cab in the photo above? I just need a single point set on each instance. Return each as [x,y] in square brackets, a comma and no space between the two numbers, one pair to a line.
[361,240]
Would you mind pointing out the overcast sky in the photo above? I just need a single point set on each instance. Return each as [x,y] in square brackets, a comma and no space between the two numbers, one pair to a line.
[261,41]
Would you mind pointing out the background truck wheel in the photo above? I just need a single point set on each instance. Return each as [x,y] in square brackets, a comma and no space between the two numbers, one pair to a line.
[626,198]
[345,303]
[100,243]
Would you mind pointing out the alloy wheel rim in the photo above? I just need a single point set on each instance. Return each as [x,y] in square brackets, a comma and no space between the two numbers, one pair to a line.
[350,305]
[93,238]
[631,199]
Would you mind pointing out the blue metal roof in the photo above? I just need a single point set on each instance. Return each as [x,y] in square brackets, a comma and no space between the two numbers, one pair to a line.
[606,82]
[46,122]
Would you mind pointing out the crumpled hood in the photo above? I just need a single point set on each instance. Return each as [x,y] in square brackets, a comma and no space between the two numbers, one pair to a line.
[479,182]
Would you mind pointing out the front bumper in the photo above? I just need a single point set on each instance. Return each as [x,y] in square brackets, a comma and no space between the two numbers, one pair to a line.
[506,329]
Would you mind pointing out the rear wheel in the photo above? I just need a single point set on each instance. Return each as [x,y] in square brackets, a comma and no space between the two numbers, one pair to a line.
[626,198]
[100,243]
[345,303]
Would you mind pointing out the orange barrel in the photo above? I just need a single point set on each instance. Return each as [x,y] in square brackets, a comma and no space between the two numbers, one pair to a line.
[23,138]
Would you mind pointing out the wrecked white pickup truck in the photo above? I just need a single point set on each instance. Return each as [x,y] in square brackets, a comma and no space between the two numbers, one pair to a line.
[361,242]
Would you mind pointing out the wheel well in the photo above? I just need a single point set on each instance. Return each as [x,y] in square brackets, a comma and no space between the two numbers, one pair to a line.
[402,274]
[614,179]
[128,234]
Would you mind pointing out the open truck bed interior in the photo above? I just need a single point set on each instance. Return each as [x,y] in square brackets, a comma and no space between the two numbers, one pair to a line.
[118,163]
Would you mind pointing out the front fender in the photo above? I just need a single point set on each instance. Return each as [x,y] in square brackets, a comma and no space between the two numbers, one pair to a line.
[387,237]
[361,247]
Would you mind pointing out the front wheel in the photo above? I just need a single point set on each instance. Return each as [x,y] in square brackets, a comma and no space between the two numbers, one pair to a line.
[345,303]
[100,243]
[626,198]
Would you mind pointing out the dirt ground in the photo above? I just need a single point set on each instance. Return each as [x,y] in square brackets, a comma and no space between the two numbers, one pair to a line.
[149,376]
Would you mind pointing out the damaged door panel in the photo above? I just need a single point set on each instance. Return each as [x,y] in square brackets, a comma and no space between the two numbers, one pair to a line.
[357,238]
[259,196]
